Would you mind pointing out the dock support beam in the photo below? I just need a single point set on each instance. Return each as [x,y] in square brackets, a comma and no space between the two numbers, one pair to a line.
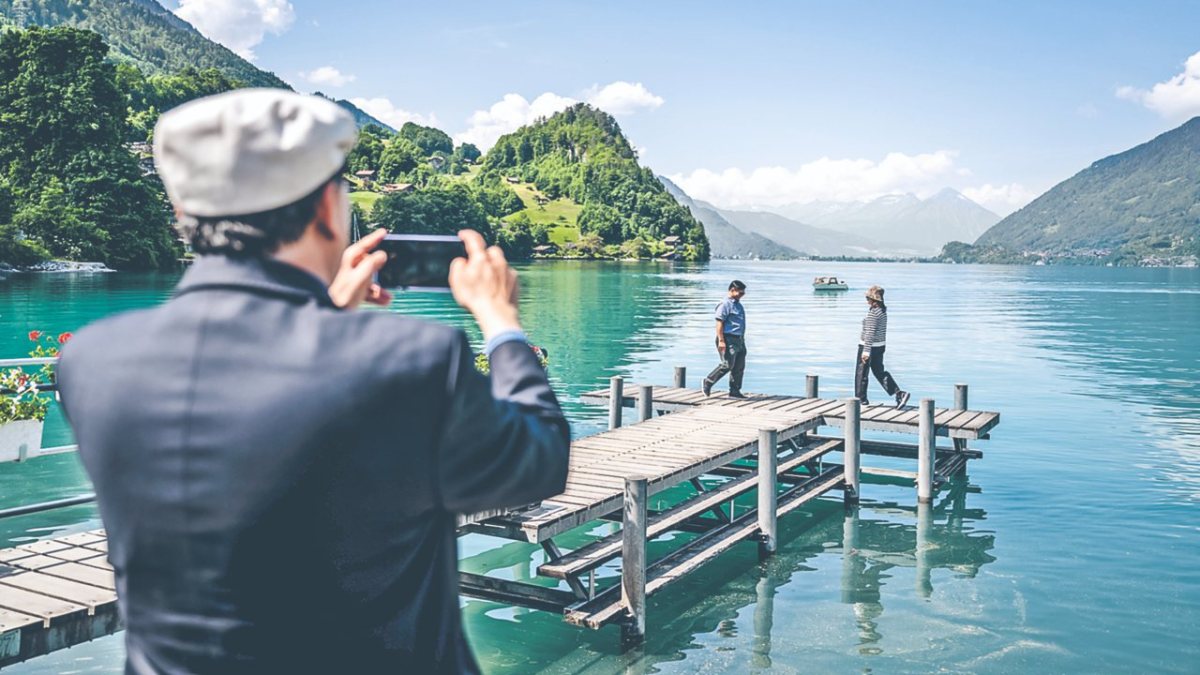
[852,448]
[925,452]
[960,403]
[633,561]
[616,397]
[645,402]
[680,377]
[923,549]
[768,459]
[810,386]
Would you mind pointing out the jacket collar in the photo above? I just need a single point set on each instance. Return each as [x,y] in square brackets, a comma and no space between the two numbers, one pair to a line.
[255,275]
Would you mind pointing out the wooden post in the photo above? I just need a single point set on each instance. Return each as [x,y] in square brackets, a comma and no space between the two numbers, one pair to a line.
[960,397]
[680,377]
[852,562]
[810,386]
[925,452]
[850,452]
[767,511]
[645,402]
[616,398]
[924,525]
[633,560]
[960,403]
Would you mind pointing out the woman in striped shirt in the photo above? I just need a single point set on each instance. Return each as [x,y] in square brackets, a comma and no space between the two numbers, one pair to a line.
[870,351]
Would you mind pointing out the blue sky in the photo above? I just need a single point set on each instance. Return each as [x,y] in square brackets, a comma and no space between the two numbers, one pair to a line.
[762,103]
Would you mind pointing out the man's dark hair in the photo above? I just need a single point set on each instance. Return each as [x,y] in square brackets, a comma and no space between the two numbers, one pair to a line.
[253,235]
[737,284]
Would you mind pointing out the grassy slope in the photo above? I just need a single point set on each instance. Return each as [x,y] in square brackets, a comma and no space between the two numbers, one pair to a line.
[365,200]
[562,214]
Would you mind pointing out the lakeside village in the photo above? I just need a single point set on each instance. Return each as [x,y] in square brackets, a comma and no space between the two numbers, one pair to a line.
[367,189]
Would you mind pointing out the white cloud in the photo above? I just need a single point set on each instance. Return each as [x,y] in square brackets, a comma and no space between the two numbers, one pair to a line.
[1000,199]
[622,98]
[386,111]
[823,179]
[509,114]
[238,24]
[1177,98]
[514,111]
[328,76]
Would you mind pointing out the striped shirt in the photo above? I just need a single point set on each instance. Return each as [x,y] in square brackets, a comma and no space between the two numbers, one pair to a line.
[874,331]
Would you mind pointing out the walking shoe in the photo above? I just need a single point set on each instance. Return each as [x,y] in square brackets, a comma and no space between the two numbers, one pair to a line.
[901,398]
[706,387]
[862,403]
[736,394]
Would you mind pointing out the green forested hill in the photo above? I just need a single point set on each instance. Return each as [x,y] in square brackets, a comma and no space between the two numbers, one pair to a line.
[142,32]
[581,154]
[1144,202]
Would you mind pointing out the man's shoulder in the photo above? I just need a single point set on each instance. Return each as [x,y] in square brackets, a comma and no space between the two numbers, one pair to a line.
[387,334]
[104,335]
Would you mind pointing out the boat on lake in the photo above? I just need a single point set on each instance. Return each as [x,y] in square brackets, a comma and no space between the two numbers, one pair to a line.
[830,284]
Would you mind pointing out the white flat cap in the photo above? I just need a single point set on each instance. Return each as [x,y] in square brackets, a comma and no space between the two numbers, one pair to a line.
[249,150]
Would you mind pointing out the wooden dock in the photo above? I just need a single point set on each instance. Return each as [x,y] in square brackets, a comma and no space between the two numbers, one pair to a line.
[59,592]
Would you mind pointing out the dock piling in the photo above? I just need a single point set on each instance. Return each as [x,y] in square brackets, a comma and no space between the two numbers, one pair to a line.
[680,377]
[645,402]
[851,450]
[633,561]
[616,399]
[768,459]
[810,386]
[960,403]
[925,452]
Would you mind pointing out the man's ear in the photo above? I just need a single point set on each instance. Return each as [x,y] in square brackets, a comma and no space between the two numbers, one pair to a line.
[323,217]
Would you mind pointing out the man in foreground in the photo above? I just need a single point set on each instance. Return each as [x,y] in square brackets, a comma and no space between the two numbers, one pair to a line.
[278,474]
[731,341]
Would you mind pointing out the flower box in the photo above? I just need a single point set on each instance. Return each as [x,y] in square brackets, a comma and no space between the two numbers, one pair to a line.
[20,440]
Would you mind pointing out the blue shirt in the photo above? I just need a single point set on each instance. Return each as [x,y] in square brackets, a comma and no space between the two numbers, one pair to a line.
[733,315]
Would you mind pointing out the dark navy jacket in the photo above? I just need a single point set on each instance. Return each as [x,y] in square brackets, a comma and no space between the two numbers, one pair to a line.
[279,479]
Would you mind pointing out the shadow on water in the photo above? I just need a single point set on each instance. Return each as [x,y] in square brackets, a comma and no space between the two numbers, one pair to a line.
[736,594]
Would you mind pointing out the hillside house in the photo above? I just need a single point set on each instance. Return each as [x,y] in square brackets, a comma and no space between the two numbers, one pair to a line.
[367,177]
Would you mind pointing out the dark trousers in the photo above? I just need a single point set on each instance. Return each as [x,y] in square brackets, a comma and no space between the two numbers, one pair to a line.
[875,365]
[734,363]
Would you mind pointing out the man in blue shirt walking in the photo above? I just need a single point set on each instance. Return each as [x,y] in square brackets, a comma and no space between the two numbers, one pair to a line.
[731,341]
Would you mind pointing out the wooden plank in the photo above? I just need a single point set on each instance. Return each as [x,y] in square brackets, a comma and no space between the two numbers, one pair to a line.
[55,587]
[83,574]
[36,604]
[45,546]
[13,620]
[82,539]
[74,553]
[35,562]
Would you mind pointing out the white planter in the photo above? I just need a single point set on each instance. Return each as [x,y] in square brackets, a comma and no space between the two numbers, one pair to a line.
[20,440]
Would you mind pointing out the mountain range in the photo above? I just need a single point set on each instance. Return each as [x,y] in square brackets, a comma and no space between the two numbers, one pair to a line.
[725,238]
[1137,204]
[146,34]
[892,226]
[902,224]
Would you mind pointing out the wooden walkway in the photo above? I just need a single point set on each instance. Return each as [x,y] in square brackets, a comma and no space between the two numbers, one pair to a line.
[948,422]
[59,592]
[54,594]
[666,450]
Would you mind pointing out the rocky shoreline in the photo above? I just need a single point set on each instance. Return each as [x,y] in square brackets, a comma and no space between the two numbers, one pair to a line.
[57,267]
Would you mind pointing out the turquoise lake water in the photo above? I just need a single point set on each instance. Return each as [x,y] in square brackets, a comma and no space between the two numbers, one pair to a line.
[1076,548]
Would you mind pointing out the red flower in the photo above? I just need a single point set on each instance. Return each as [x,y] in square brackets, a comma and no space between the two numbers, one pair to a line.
[64,338]
[35,335]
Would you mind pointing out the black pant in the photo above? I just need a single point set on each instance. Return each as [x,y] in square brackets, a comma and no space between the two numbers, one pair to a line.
[734,363]
[875,365]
